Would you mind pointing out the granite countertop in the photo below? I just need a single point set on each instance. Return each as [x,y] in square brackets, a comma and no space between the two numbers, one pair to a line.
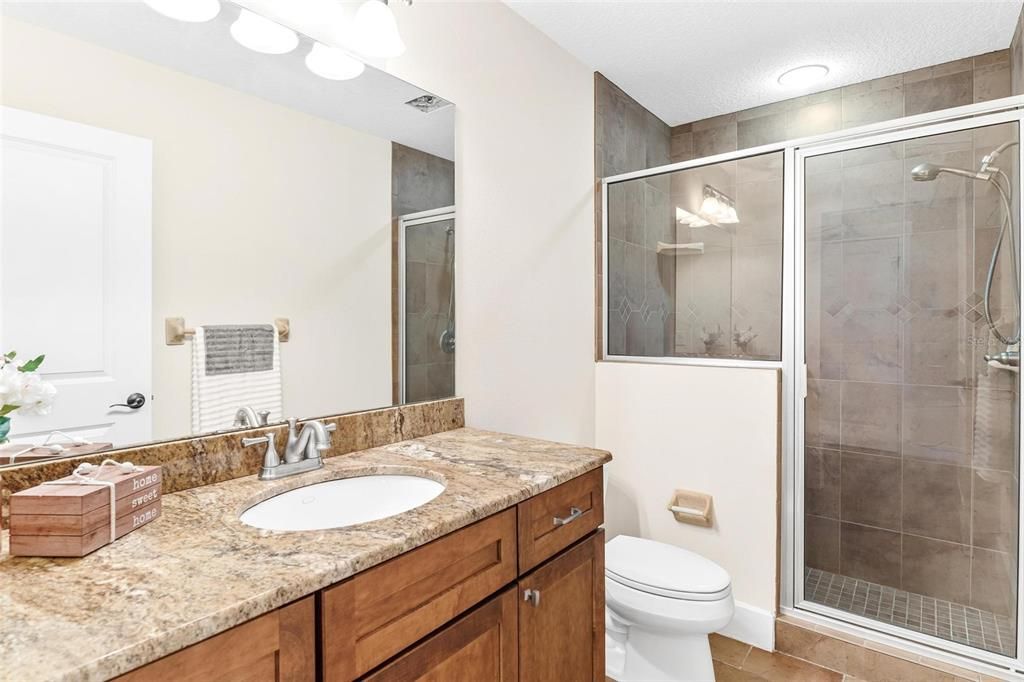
[198,570]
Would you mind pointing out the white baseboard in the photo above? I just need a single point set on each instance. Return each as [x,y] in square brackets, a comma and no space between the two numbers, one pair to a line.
[753,626]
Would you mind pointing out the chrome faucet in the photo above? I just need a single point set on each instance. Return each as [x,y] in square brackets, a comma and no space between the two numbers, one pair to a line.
[246,416]
[301,452]
[308,443]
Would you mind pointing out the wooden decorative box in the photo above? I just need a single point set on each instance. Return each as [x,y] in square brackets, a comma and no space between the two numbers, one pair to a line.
[74,520]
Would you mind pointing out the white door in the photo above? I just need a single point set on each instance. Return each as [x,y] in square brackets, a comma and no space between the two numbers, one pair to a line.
[75,272]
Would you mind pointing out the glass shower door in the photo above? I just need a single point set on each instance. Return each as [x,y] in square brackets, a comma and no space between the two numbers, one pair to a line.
[427,308]
[910,338]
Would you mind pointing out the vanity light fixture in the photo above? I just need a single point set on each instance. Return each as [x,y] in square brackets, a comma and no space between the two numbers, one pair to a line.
[717,207]
[377,31]
[186,10]
[263,35]
[803,76]
[333,63]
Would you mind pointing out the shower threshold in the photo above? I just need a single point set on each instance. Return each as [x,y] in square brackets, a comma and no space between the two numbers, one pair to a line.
[927,615]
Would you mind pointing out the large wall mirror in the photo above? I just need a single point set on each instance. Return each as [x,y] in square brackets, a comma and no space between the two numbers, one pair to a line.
[207,224]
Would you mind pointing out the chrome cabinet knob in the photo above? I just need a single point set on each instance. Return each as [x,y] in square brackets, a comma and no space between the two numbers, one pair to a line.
[532,597]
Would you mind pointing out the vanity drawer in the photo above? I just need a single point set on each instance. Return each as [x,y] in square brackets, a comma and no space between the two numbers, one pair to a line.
[553,520]
[378,613]
[277,647]
[481,646]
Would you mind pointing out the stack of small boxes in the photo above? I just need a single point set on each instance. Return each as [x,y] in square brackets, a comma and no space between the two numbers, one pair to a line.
[65,518]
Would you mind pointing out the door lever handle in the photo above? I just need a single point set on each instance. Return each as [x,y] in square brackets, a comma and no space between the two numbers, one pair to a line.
[134,401]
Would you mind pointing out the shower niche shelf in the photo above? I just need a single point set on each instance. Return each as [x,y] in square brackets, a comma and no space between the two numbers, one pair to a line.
[691,249]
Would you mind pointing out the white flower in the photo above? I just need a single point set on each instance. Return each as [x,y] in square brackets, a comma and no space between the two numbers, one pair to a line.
[12,384]
[37,396]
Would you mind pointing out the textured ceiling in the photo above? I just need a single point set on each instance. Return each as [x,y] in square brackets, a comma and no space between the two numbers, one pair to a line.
[686,61]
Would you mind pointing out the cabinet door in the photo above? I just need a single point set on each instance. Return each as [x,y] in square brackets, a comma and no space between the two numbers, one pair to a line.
[276,647]
[561,616]
[479,647]
[382,611]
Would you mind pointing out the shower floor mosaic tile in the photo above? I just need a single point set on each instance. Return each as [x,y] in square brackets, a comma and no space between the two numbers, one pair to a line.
[936,617]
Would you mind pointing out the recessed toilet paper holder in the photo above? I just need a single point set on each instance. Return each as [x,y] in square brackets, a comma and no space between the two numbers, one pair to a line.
[692,507]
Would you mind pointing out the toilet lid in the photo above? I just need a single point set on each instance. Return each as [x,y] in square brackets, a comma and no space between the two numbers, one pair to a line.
[670,571]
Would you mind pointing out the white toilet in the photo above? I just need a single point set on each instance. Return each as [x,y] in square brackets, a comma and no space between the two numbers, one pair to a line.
[661,604]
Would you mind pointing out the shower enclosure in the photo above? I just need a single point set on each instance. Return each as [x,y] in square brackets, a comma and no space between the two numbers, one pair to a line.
[890,299]
[426,315]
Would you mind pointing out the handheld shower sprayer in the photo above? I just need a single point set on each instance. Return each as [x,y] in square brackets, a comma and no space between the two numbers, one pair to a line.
[926,172]
[988,172]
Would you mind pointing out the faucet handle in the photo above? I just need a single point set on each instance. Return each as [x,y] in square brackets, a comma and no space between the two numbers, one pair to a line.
[271,458]
[264,416]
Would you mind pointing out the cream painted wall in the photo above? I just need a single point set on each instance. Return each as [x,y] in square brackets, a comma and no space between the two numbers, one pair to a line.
[709,429]
[524,195]
[259,212]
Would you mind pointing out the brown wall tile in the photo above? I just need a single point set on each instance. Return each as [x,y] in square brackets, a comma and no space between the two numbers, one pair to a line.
[871,490]
[994,516]
[821,543]
[821,482]
[937,501]
[870,554]
[936,568]
[993,576]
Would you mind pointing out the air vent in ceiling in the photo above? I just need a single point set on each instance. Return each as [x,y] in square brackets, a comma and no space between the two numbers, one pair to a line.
[428,103]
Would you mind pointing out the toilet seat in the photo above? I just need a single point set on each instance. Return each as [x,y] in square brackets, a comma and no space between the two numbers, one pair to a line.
[665,570]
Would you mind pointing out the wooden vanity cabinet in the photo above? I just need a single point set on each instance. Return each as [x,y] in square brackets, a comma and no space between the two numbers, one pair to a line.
[561,616]
[518,595]
[279,646]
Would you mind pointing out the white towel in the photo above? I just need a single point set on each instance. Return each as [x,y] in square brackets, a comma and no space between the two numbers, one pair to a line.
[216,398]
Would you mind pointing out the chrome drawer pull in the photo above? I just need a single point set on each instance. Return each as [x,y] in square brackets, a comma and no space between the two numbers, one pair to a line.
[574,513]
[532,596]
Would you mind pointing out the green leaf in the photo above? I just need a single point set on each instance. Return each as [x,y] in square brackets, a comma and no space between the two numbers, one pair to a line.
[11,355]
[32,365]
[7,409]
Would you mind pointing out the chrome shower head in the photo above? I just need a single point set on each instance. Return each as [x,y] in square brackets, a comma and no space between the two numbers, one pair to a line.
[927,172]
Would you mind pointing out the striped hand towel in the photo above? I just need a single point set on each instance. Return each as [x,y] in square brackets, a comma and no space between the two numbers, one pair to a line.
[234,366]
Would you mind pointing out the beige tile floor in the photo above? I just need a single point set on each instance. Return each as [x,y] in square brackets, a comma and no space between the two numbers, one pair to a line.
[738,662]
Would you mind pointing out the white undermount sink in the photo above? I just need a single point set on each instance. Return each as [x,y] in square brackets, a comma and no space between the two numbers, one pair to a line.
[342,502]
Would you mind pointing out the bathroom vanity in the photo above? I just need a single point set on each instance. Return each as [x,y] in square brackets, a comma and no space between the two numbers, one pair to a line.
[498,578]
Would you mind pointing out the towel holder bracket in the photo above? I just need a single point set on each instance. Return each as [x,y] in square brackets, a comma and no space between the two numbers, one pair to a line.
[175,331]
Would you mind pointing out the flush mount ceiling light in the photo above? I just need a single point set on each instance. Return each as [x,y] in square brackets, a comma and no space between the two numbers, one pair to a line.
[332,63]
[803,76]
[376,31]
[186,10]
[263,35]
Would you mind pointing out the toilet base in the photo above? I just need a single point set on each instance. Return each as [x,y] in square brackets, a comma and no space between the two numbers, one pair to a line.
[655,657]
